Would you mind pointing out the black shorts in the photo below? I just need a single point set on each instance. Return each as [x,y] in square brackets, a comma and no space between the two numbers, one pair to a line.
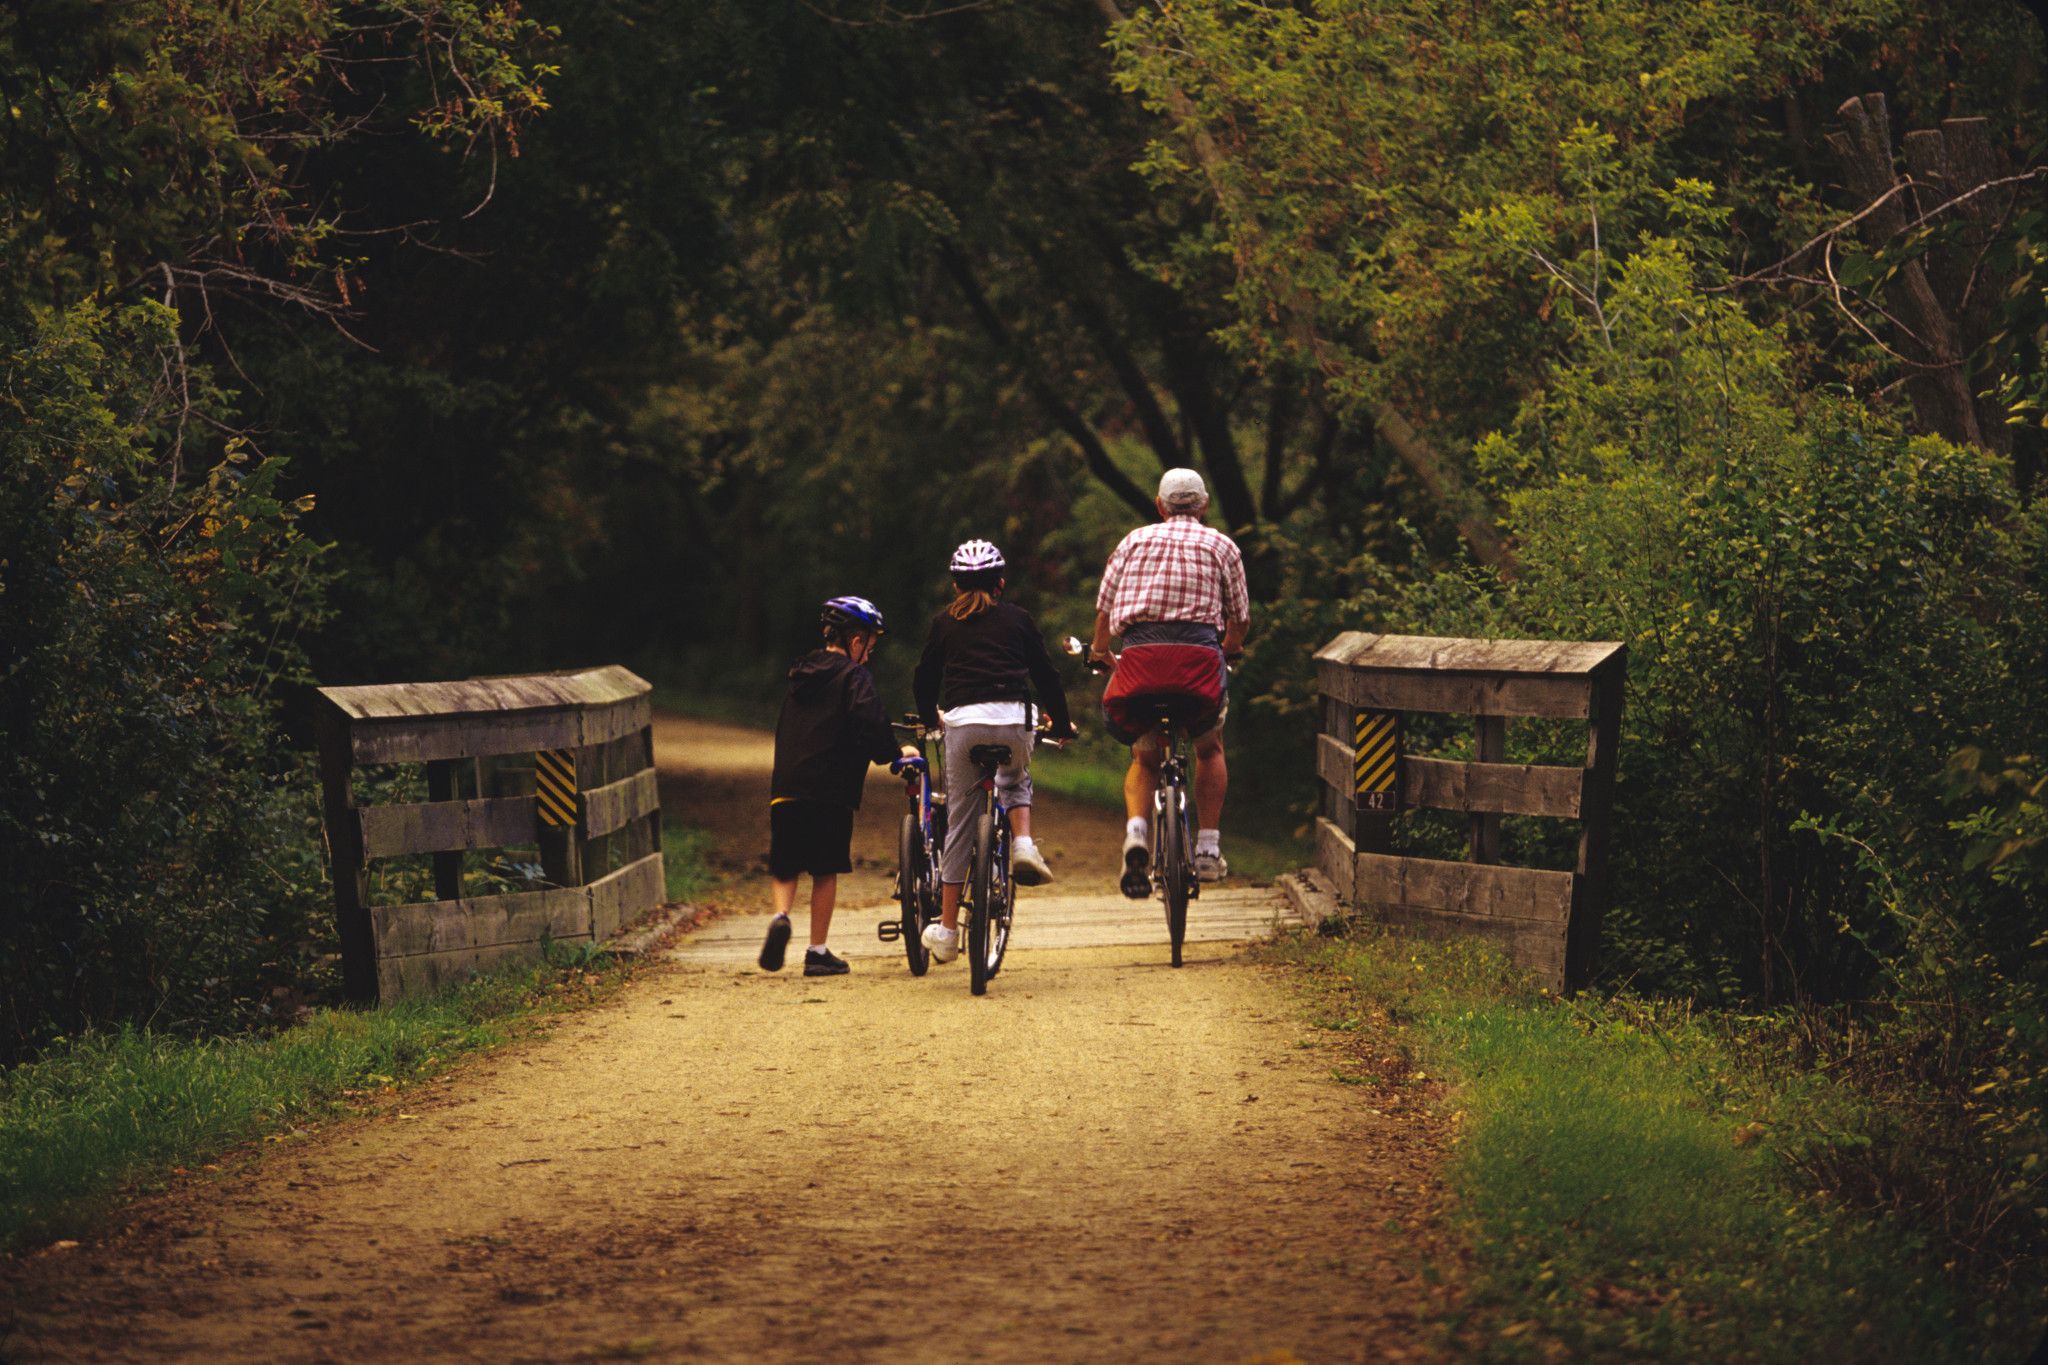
[809,836]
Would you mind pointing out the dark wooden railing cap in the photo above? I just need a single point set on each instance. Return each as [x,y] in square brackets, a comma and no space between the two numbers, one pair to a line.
[481,696]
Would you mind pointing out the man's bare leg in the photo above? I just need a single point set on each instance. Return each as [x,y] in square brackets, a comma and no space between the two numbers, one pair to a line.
[1142,780]
[1212,780]
[785,894]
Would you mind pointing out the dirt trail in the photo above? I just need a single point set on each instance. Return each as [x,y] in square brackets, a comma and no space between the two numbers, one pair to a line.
[1105,1159]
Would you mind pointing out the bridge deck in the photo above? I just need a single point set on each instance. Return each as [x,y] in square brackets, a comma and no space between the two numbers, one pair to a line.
[1045,920]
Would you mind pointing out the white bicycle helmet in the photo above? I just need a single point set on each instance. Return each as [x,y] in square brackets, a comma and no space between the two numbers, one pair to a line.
[977,557]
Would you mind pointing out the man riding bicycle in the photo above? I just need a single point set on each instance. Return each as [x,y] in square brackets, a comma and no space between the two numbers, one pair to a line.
[1175,592]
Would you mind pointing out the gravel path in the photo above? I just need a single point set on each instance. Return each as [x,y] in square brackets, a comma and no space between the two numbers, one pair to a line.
[1104,1159]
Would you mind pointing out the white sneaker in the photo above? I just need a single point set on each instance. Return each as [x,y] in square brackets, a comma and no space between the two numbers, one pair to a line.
[943,943]
[1027,866]
[1136,881]
[1210,867]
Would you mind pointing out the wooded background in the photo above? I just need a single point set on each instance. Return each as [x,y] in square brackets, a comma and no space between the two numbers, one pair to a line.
[410,341]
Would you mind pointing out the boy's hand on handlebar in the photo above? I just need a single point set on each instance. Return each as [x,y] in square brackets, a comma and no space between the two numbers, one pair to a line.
[1061,734]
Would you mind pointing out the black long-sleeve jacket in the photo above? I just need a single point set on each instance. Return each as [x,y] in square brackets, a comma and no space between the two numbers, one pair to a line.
[832,726]
[995,655]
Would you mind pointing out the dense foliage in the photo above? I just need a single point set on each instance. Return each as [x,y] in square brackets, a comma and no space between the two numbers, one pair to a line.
[154,581]
[630,331]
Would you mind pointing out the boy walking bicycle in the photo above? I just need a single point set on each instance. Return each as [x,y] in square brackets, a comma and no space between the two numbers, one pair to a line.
[831,728]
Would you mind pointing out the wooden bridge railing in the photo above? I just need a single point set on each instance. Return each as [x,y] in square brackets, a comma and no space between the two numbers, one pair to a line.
[564,761]
[1547,921]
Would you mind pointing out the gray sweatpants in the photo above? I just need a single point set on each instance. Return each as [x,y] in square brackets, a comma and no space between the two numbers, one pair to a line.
[963,788]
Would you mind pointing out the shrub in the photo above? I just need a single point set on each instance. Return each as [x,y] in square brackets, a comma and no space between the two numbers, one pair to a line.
[161,855]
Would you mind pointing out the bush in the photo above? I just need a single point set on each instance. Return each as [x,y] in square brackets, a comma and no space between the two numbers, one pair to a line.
[1819,610]
[162,857]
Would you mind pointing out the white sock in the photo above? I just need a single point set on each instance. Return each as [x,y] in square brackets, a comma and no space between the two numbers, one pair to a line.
[1136,827]
[1025,841]
[1209,841]
[817,947]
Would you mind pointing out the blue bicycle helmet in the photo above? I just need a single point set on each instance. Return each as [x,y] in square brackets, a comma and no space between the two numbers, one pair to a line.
[851,613]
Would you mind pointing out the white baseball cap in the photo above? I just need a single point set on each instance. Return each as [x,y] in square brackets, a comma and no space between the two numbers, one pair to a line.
[1182,488]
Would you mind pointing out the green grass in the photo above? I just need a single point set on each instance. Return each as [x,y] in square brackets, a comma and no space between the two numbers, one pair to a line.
[107,1115]
[1617,1174]
[686,861]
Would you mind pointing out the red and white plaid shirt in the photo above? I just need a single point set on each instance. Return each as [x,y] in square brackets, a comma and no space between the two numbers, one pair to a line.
[1174,570]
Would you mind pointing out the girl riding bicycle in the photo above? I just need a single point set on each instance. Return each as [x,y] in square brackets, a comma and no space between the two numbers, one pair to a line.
[983,666]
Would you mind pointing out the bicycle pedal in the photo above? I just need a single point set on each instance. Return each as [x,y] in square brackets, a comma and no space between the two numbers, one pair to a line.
[889,930]
[1135,884]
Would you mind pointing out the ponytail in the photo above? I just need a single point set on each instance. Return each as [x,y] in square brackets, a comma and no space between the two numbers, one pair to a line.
[969,602]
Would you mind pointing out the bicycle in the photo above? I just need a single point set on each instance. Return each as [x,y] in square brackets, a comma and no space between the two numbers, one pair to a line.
[1170,863]
[918,841]
[988,901]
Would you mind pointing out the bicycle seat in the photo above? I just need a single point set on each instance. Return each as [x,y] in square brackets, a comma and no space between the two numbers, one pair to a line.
[989,755]
[1161,708]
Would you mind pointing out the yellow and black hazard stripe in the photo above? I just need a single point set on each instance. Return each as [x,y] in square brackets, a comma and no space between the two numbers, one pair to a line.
[1376,755]
[554,786]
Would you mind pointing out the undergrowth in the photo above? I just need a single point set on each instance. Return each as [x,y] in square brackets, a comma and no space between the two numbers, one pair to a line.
[1640,1180]
[106,1115]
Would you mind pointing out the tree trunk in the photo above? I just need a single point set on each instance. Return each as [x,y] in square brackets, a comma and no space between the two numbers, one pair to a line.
[1945,301]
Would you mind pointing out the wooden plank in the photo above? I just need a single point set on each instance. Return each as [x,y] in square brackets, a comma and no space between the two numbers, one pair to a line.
[625,895]
[1503,788]
[345,853]
[1464,888]
[1336,859]
[404,978]
[414,739]
[433,826]
[481,921]
[1436,654]
[1459,693]
[587,687]
[1536,946]
[1333,762]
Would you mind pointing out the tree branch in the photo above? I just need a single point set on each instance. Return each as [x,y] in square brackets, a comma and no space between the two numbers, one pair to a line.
[1062,414]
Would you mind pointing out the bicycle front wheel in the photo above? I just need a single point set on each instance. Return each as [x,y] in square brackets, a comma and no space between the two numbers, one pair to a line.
[913,883]
[1174,867]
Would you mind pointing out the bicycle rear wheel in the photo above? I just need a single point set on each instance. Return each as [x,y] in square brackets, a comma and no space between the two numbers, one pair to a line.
[1002,896]
[1174,866]
[979,910]
[913,885]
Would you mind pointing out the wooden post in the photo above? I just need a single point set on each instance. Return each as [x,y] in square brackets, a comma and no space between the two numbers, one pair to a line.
[646,837]
[561,845]
[345,850]
[1373,830]
[1338,807]
[1490,745]
[1596,810]
[442,782]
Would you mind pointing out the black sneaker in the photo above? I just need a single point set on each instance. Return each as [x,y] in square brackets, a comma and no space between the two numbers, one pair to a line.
[820,962]
[777,944]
